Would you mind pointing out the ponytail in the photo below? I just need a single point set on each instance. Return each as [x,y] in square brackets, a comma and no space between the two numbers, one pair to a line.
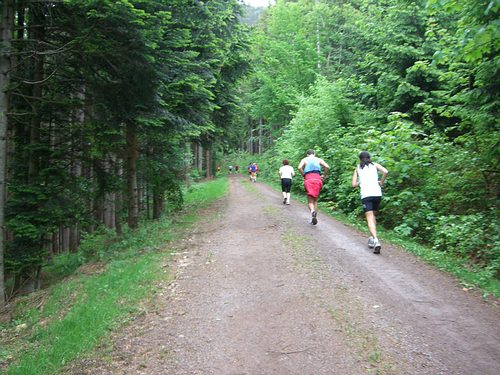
[364,159]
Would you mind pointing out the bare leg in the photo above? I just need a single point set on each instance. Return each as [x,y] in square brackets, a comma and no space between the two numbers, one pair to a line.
[311,202]
[372,223]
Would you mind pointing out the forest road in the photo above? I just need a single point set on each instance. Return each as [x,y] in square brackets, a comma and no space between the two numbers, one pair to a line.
[256,290]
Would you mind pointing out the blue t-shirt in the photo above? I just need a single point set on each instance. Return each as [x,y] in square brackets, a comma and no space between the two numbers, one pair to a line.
[312,165]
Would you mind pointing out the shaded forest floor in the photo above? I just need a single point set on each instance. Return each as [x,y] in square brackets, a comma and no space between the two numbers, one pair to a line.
[254,289]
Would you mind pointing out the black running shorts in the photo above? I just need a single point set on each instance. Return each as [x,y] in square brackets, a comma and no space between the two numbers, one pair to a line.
[286,184]
[371,203]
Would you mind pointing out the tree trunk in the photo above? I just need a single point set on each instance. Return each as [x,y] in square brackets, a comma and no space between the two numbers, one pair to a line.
[77,168]
[188,159]
[132,192]
[119,199]
[199,157]
[157,202]
[74,239]
[250,141]
[261,131]
[109,210]
[65,238]
[6,27]
[208,163]
[118,207]
[146,198]
[36,33]
[140,195]
[109,197]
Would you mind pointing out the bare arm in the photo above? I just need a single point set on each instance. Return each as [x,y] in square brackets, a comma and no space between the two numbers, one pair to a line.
[325,166]
[301,166]
[355,182]
[384,172]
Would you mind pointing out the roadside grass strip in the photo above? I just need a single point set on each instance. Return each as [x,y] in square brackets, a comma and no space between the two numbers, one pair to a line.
[206,193]
[68,320]
[104,300]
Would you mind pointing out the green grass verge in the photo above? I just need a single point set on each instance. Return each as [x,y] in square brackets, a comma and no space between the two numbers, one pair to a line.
[469,276]
[61,324]
[206,192]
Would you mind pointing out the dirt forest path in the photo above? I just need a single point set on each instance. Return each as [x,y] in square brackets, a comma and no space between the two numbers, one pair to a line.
[259,291]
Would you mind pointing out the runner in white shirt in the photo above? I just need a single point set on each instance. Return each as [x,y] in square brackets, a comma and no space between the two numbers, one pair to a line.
[366,177]
[286,173]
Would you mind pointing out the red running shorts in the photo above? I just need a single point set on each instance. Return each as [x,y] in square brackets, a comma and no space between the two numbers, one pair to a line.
[313,184]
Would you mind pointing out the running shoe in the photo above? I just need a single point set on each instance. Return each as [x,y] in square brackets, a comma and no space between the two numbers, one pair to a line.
[376,247]
[371,242]
[314,219]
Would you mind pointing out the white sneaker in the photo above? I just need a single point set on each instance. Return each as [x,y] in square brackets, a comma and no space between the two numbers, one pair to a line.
[376,246]
[371,242]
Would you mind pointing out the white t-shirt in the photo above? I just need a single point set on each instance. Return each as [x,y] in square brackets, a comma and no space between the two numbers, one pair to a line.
[368,181]
[287,171]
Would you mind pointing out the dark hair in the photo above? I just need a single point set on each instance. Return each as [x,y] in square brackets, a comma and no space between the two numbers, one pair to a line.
[285,162]
[310,152]
[364,159]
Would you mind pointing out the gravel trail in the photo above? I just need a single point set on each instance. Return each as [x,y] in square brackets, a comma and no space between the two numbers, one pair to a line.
[256,290]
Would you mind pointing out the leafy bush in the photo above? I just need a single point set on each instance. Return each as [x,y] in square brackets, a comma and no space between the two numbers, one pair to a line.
[463,235]
[63,265]
[94,244]
[435,193]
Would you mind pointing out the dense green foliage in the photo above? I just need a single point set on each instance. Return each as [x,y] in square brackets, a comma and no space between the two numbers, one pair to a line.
[107,100]
[413,82]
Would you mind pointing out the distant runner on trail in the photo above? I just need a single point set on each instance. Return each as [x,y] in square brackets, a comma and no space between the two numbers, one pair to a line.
[310,169]
[230,169]
[366,176]
[253,169]
[286,173]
